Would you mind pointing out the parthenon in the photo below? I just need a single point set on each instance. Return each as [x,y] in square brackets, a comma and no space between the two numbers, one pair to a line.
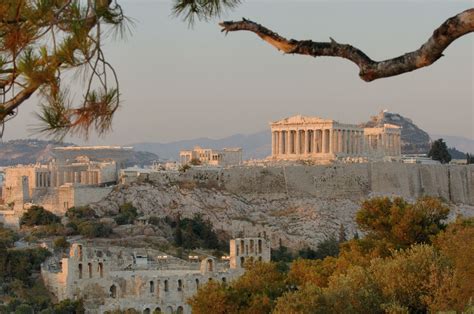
[302,137]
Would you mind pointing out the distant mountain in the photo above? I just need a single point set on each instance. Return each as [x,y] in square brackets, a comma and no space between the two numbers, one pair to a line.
[28,151]
[255,146]
[414,139]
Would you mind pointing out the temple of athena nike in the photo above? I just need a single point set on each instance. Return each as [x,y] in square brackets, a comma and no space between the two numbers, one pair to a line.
[320,140]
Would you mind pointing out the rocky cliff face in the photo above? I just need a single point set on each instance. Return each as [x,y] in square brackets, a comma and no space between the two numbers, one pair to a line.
[299,205]
[414,139]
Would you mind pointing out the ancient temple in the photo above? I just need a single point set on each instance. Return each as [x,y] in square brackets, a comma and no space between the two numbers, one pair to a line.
[302,138]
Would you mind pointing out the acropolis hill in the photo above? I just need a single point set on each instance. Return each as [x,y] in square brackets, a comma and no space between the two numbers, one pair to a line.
[297,204]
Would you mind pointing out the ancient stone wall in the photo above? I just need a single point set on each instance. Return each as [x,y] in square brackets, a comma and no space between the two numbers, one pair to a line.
[119,278]
[454,183]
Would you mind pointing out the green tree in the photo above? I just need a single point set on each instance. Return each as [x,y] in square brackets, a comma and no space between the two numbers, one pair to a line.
[178,233]
[93,229]
[37,215]
[81,212]
[327,247]
[342,234]
[400,222]
[127,214]
[254,292]
[61,244]
[7,237]
[68,306]
[454,289]
[24,309]
[469,159]
[439,152]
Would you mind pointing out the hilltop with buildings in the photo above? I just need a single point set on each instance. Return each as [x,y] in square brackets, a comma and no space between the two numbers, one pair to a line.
[414,140]
[131,228]
[30,151]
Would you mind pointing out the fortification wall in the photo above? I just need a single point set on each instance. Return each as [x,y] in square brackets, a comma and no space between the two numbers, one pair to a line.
[453,183]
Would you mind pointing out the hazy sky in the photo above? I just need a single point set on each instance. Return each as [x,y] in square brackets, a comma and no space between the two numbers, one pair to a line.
[180,83]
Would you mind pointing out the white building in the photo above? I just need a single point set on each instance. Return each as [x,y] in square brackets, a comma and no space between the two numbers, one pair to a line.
[214,157]
[322,140]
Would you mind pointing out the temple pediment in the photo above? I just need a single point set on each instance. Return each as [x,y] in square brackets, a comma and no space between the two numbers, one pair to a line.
[300,119]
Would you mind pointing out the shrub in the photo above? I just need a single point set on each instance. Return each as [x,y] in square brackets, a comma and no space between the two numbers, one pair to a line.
[191,233]
[7,237]
[37,216]
[127,214]
[80,212]
[92,229]
[61,244]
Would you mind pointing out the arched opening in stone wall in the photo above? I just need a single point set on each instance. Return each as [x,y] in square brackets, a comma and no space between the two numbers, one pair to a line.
[242,261]
[101,270]
[152,286]
[251,247]
[224,280]
[79,252]
[259,246]
[89,268]
[113,291]
[166,285]
[180,310]
[180,285]
[80,270]
[146,311]
[210,265]
[169,310]
[197,283]
[259,258]
[157,311]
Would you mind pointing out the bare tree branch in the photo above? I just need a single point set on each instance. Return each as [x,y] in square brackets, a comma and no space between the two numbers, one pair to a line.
[427,54]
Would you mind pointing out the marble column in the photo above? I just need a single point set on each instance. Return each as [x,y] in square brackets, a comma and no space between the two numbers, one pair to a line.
[280,142]
[288,142]
[273,143]
[350,144]
[331,141]
[306,142]
[298,144]
[316,141]
[344,141]
[323,141]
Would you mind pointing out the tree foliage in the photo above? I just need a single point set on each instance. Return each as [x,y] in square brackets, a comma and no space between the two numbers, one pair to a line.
[83,221]
[41,40]
[127,214]
[439,151]
[409,262]
[7,238]
[196,232]
[254,292]
[37,216]
[400,222]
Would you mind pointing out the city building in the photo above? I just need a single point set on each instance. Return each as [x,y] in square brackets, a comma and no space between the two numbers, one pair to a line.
[213,157]
[58,185]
